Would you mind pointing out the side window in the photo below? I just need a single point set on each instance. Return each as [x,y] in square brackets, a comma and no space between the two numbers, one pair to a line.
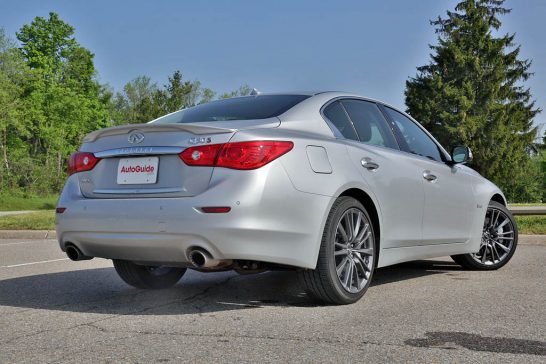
[371,126]
[418,141]
[339,120]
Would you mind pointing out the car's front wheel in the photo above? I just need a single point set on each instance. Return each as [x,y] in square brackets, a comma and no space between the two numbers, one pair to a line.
[148,277]
[347,255]
[499,241]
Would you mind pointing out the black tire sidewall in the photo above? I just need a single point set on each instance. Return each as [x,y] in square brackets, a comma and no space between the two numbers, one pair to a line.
[140,277]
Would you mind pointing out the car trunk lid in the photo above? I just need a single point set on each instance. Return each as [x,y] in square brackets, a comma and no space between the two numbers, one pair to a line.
[141,160]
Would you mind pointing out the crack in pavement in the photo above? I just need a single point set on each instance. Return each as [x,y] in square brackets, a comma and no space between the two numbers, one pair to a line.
[239,336]
[110,317]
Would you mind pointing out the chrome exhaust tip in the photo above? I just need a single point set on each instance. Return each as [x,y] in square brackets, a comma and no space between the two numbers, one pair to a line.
[200,258]
[73,253]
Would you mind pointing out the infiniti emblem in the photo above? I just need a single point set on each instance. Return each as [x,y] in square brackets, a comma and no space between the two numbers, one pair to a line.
[135,138]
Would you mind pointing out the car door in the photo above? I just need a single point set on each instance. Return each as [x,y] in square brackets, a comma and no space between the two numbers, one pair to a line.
[449,197]
[374,151]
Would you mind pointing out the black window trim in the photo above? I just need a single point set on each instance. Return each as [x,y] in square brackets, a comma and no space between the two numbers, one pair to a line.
[334,129]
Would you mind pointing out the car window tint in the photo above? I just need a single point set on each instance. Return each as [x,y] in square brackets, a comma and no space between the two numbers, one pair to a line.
[371,126]
[339,120]
[236,108]
[418,141]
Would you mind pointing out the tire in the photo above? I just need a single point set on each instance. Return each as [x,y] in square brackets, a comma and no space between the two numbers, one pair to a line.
[343,253]
[148,277]
[499,241]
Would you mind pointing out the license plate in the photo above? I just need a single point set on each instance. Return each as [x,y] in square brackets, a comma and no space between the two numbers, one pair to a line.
[136,171]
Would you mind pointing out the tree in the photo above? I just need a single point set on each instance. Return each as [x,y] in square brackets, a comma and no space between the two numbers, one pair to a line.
[12,126]
[472,92]
[244,90]
[142,101]
[62,99]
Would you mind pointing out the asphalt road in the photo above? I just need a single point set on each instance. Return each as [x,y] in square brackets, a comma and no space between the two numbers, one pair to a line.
[56,310]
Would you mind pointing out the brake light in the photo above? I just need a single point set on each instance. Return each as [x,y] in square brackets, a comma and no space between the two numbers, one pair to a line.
[81,161]
[216,209]
[238,155]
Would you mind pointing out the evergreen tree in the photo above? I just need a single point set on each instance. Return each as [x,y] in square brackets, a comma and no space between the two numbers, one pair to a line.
[472,92]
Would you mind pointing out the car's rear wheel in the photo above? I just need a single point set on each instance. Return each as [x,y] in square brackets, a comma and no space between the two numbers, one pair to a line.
[499,240]
[347,255]
[148,277]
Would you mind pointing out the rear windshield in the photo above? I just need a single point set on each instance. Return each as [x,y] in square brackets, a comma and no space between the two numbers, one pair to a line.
[237,108]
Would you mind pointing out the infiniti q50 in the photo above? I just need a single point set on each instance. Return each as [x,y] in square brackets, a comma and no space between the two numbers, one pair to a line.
[330,184]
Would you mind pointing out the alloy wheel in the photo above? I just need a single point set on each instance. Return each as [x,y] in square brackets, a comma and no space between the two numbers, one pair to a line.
[354,250]
[497,238]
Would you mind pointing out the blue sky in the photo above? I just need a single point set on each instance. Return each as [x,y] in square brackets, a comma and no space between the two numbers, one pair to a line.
[367,47]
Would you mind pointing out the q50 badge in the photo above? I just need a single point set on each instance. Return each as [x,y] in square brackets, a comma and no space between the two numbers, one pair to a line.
[200,140]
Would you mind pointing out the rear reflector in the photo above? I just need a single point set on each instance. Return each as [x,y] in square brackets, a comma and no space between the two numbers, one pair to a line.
[81,161]
[60,210]
[238,155]
[216,209]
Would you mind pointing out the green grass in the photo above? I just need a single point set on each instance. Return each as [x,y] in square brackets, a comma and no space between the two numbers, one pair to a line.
[18,202]
[532,224]
[527,204]
[45,220]
[41,220]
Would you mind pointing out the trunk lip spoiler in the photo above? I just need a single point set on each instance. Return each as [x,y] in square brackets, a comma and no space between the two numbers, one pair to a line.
[126,129]
[144,150]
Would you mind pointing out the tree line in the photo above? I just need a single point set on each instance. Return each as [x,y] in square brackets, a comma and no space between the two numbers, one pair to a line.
[50,97]
[471,92]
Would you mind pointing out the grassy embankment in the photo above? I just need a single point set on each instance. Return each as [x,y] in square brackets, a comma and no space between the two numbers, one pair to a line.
[20,202]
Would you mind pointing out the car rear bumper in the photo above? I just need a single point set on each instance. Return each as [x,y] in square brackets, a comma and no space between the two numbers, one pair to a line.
[269,221]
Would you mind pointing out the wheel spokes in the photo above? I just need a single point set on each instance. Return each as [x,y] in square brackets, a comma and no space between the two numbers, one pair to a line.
[352,268]
[497,239]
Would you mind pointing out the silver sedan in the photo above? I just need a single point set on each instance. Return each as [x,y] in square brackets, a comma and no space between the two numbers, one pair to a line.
[330,184]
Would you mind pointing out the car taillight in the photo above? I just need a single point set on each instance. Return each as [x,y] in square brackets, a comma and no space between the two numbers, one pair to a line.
[204,155]
[238,155]
[81,161]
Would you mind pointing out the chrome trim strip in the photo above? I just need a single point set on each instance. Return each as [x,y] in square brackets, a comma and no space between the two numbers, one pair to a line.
[127,191]
[138,151]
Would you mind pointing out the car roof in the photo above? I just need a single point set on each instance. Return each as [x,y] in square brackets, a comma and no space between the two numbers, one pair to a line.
[330,93]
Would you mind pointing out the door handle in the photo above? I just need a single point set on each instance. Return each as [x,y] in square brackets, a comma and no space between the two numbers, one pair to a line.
[429,176]
[369,164]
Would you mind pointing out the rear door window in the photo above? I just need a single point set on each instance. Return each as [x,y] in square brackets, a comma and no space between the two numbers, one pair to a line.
[370,125]
[417,140]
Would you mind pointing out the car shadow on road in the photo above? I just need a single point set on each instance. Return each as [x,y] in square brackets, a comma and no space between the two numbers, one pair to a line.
[101,291]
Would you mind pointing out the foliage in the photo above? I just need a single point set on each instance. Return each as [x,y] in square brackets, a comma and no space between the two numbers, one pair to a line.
[50,98]
[142,100]
[244,90]
[472,92]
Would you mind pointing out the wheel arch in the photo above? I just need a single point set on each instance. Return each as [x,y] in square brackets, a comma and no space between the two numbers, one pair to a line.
[368,203]
[497,197]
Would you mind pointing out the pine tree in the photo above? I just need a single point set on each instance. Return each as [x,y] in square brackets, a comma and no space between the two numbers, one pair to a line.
[472,92]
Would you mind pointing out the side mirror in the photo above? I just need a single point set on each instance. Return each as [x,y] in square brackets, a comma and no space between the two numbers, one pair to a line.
[461,154]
